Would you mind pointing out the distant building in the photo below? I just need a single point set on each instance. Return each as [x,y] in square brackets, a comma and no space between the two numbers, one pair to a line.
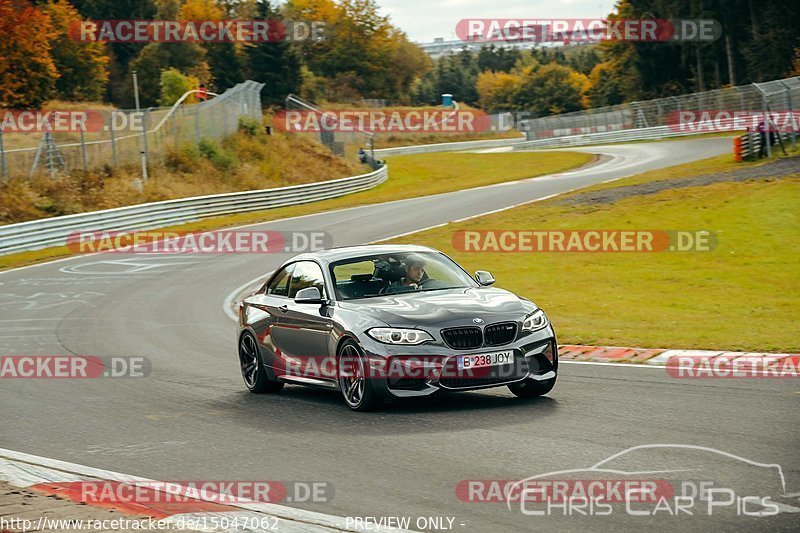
[439,47]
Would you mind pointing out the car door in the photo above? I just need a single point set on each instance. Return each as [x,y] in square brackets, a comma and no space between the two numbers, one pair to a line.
[305,328]
[263,311]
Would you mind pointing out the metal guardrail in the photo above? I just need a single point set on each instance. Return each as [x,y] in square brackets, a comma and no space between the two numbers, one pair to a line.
[448,147]
[748,146]
[38,234]
[639,134]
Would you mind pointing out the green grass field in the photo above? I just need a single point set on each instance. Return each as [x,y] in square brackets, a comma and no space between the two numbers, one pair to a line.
[409,176]
[743,295]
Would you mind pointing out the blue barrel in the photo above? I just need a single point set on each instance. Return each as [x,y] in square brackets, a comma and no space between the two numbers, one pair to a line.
[447,100]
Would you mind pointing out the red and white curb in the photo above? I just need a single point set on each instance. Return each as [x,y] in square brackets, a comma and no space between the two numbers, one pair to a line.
[701,364]
[42,474]
[651,356]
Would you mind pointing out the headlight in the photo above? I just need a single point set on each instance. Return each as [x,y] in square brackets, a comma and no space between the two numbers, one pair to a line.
[535,321]
[399,335]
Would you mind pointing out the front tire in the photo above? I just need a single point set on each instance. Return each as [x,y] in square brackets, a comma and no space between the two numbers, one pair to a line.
[255,376]
[531,388]
[354,380]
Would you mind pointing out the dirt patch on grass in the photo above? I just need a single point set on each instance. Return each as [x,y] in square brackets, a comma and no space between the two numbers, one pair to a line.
[775,169]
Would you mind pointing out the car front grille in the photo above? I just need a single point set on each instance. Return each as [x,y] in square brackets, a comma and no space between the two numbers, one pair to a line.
[453,378]
[470,337]
[463,338]
[499,334]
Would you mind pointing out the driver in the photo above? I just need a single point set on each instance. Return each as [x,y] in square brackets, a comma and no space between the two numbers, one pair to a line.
[414,266]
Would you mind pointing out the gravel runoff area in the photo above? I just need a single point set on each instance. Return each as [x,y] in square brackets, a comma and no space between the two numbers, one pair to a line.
[775,169]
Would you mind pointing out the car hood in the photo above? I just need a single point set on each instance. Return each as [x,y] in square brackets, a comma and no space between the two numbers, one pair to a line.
[443,308]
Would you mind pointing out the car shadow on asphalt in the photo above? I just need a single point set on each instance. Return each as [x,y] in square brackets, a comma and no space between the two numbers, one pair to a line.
[298,409]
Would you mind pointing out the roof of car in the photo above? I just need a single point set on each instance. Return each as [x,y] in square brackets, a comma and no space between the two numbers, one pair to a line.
[332,255]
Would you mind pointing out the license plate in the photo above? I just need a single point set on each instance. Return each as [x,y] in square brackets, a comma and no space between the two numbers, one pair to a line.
[485,360]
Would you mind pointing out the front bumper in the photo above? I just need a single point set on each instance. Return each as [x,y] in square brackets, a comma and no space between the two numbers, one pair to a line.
[409,371]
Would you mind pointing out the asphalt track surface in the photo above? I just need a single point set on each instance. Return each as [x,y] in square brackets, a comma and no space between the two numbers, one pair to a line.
[192,418]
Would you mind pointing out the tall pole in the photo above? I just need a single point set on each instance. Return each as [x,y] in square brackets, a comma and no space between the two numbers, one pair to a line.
[372,149]
[143,151]
[766,125]
[2,157]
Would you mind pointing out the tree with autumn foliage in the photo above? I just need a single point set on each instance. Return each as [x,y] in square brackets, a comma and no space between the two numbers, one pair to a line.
[188,58]
[362,54]
[82,66]
[496,90]
[27,71]
[226,60]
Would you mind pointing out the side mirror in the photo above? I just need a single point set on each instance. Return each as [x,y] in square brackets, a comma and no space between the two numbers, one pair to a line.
[484,278]
[309,295]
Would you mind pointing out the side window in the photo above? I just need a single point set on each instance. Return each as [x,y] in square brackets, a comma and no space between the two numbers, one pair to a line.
[279,286]
[306,274]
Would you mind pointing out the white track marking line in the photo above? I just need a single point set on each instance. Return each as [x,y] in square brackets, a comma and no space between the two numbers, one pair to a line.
[598,363]
[22,469]
[409,232]
[662,367]
[227,304]
[47,262]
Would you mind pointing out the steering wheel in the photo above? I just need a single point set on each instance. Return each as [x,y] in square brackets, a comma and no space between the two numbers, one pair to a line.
[394,289]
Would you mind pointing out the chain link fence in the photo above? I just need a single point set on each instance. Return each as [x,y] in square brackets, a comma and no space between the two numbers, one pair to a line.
[124,136]
[774,96]
[346,143]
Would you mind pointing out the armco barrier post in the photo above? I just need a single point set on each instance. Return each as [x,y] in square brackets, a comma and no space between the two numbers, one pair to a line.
[790,109]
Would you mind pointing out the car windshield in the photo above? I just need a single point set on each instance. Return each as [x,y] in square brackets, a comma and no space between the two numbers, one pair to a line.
[382,274]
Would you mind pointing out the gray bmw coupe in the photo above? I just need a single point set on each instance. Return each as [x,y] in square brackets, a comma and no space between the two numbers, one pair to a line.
[381,322]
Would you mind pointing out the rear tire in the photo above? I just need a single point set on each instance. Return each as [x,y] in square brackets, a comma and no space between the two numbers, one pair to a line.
[531,388]
[255,376]
[354,381]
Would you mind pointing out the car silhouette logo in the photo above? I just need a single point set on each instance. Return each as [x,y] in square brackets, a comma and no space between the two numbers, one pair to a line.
[478,320]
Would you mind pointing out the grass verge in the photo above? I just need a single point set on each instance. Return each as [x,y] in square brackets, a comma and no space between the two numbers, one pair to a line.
[743,295]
